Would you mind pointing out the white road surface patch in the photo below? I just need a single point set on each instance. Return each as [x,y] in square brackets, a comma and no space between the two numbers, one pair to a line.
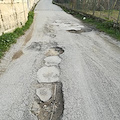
[44,93]
[48,74]
[67,26]
[52,60]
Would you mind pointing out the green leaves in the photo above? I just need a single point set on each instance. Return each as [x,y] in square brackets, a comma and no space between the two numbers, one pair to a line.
[9,38]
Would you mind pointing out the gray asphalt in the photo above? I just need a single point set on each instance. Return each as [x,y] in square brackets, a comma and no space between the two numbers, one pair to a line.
[89,69]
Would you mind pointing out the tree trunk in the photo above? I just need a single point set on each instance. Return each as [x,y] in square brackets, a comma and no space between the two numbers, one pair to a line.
[118,17]
[114,4]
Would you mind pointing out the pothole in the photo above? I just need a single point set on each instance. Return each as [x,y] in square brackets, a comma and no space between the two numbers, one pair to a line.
[52,60]
[17,55]
[52,35]
[80,31]
[54,51]
[48,74]
[50,107]
[44,93]
[36,46]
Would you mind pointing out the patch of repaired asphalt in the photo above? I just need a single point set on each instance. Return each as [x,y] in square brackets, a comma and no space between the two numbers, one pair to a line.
[48,74]
[52,60]
[44,93]
[52,107]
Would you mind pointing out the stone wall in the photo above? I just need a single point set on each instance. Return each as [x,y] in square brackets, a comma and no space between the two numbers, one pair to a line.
[14,13]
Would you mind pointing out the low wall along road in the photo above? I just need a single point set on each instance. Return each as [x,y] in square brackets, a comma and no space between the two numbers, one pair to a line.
[14,14]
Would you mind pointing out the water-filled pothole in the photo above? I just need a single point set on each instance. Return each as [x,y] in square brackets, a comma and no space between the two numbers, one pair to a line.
[80,31]
[54,51]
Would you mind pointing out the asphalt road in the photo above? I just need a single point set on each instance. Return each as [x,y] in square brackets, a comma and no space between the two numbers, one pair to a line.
[89,68]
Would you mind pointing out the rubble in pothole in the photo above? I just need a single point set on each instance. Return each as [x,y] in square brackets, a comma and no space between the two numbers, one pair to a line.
[52,107]
[48,101]
[54,51]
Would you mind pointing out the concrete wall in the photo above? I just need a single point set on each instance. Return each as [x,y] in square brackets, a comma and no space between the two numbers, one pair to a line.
[14,13]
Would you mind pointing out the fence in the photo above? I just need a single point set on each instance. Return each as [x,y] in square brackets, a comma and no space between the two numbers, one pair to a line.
[105,9]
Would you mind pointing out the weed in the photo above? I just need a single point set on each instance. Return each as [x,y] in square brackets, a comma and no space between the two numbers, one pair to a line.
[104,26]
[9,38]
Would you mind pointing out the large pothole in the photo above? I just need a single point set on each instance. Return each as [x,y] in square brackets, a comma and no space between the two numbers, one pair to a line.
[48,103]
[48,100]
[36,46]
[80,31]
[54,51]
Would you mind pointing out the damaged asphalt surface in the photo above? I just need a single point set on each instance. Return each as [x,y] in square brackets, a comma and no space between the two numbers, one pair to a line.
[64,71]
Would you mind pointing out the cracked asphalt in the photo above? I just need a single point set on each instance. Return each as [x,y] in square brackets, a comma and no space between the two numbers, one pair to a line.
[89,68]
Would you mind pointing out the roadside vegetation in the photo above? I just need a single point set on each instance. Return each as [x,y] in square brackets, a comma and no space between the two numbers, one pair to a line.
[106,26]
[105,9]
[9,38]
[113,14]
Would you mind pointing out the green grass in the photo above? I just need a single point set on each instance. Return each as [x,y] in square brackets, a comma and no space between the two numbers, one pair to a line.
[7,39]
[104,14]
[104,26]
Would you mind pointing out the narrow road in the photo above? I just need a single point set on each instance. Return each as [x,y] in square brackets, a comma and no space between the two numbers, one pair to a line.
[88,69]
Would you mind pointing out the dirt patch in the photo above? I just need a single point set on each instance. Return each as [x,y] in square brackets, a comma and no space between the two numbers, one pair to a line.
[2,70]
[29,36]
[17,55]
[80,31]
[51,109]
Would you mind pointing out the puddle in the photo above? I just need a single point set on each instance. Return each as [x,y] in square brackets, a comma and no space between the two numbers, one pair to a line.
[35,46]
[80,31]
[51,109]
[54,51]
[17,55]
